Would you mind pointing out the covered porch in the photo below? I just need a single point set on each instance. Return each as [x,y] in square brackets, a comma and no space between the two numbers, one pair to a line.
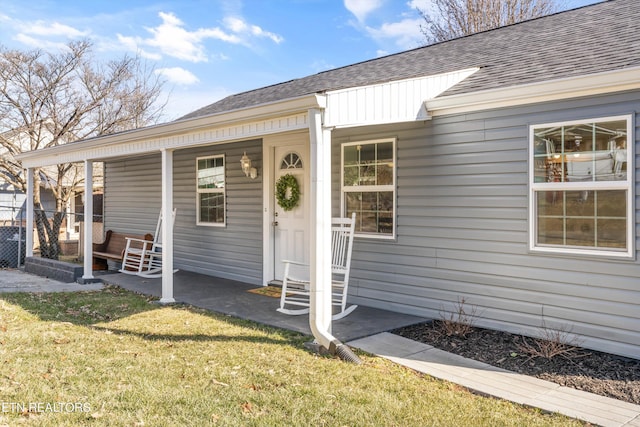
[233,298]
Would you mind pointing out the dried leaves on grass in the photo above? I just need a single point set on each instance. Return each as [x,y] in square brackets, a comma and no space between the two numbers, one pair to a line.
[137,363]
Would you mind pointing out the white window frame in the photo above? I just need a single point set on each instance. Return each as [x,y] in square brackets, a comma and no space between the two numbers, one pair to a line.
[211,190]
[625,185]
[371,188]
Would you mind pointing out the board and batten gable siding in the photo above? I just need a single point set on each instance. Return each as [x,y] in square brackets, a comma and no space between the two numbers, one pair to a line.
[133,198]
[462,231]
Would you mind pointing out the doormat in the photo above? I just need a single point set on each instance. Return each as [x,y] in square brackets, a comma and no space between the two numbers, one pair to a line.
[270,291]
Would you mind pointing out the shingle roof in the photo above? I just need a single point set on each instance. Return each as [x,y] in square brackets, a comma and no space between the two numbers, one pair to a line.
[587,40]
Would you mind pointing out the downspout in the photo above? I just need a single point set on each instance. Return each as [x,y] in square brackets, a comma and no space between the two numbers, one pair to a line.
[320,298]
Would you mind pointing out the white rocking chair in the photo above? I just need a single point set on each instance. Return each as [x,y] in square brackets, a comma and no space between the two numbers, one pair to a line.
[144,257]
[296,290]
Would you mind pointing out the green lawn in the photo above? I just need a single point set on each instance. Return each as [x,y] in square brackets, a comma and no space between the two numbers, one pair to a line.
[114,358]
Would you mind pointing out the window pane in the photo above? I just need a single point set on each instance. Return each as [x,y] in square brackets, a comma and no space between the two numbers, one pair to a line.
[385,173]
[579,203]
[550,231]
[385,152]
[593,151]
[580,232]
[211,207]
[291,161]
[612,203]
[350,155]
[211,173]
[582,218]
[368,164]
[612,233]
[374,211]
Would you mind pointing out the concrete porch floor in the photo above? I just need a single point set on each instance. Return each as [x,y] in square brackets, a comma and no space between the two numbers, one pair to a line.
[231,297]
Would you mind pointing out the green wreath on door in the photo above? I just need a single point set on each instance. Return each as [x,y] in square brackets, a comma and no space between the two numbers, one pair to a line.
[290,183]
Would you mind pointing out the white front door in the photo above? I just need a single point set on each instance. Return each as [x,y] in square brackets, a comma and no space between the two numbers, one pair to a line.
[291,234]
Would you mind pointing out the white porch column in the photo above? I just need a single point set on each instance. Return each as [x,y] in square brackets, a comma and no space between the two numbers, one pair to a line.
[320,239]
[167,227]
[29,230]
[88,220]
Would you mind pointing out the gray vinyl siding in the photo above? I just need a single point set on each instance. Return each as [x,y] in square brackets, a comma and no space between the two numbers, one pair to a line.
[132,203]
[462,231]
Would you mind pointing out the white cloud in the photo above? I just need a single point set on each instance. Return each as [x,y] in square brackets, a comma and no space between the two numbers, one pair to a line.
[178,75]
[171,38]
[39,43]
[41,28]
[405,33]
[132,44]
[361,8]
[41,34]
[419,4]
[239,26]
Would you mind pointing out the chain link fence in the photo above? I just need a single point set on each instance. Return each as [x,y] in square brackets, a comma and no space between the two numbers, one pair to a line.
[12,236]
[57,235]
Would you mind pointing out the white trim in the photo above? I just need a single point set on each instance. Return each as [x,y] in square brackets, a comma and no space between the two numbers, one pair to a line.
[626,185]
[550,90]
[395,101]
[29,202]
[167,227]
[88,220]
[252,122]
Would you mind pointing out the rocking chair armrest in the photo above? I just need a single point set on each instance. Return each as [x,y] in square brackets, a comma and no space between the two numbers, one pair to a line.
[134,239]
[286,261]
[143,243]
[292,278]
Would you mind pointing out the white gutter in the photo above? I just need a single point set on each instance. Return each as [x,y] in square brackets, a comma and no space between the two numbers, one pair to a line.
[552,90]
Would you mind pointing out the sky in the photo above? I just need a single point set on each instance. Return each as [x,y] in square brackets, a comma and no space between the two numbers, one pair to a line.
[208,49]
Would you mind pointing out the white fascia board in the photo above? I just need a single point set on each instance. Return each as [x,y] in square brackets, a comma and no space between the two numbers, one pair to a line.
[389,102]
[551,90]
[216,128]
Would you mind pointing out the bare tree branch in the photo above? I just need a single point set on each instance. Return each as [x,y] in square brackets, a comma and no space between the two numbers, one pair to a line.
[49,99]
[456,18]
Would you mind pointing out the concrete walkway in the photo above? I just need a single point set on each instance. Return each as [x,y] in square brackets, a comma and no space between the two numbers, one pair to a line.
[19,281]
[501,383]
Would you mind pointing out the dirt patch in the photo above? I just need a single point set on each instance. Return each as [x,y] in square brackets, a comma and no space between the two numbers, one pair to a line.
[579,368]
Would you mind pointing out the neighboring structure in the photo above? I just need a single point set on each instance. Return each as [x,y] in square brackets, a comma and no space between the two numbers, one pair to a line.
[498,168]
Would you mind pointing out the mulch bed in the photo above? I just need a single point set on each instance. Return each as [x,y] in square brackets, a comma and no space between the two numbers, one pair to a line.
[579,368]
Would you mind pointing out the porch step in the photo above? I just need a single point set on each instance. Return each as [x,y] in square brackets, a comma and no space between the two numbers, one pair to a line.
[58,270]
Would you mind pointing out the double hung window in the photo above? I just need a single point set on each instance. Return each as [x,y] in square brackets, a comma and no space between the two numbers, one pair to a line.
[210,190]
[581,176]
[369,186]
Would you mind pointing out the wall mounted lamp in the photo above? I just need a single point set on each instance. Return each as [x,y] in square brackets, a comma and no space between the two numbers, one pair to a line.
[245,164]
